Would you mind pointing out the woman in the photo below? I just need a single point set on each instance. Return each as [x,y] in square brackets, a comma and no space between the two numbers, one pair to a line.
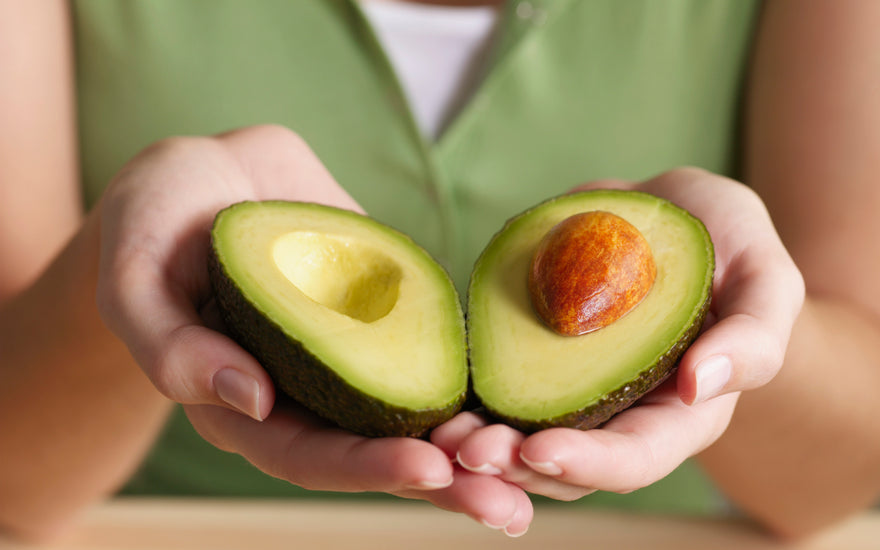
[660,90]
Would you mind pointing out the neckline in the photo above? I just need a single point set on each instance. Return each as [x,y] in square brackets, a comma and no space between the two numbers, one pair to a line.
[516,24]
[437,53]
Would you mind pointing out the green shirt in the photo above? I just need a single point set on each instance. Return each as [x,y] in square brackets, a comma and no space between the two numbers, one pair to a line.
[575,90]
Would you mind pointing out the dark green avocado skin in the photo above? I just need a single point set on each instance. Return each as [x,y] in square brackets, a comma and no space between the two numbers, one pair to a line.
[306,379]
[621,398]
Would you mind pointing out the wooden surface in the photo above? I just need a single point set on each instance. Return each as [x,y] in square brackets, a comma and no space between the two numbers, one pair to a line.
[141,524]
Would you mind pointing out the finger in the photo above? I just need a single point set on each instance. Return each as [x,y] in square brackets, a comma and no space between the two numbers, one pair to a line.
[636,448]
[294,445]
[757,299]
[490,450]
[281,165]
[737,353]
[495,450]
[522,518]
[186,361]
[449,435]
[486,499]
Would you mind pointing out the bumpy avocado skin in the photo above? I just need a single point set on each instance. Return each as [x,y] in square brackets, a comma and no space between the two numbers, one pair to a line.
[302,376]
[620,398]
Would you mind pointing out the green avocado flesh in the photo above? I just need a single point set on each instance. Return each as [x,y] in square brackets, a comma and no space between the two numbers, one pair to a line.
[349,317]
[533,378]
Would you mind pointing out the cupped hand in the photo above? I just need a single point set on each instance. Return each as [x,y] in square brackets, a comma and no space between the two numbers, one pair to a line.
[154,293]
[757,294]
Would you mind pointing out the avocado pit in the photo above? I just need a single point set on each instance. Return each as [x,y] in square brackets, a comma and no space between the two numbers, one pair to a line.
[588,271]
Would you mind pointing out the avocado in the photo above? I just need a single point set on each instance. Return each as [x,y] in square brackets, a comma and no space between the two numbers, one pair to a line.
[350,317]
[532,376]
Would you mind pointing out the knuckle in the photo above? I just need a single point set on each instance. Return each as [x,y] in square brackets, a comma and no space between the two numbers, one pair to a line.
[797,286]
[106,300]
[208,426]
[113,292]
[165,368]
[768,362]
[171,147]
[279,131]
[573,494]
[295,463]
[689,172]
[644,471]
[162,373]
[773,363]
[272,132]
[497,430]
[681,174]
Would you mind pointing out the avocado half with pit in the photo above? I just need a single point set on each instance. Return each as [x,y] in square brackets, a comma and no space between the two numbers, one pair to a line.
[350,318]
[549,345]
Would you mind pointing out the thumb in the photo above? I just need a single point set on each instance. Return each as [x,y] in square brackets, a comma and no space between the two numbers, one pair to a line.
[187,362]
[201,366]
[744,347]
[737,353]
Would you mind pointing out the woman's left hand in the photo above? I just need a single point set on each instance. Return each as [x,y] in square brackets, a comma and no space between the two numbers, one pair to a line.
[757,294]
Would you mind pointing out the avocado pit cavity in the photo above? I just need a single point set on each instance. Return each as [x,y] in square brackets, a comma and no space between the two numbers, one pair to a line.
[342,274]
[588,271]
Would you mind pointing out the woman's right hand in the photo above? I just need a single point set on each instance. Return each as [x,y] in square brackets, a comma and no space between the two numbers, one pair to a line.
[154,294]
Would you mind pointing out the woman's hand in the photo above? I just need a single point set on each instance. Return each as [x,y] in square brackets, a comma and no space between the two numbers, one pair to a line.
[757,294]
[154,294]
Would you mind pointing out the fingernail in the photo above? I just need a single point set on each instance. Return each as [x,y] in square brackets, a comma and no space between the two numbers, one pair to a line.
[239,390]
[713,373]
[425,485]
[494,527]
[546,468]
[485,469]
[516,535]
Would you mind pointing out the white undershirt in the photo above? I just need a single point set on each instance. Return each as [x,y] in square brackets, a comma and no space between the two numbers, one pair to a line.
[436,52]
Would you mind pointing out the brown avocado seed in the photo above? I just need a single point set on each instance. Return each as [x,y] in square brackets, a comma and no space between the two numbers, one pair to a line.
[588,271]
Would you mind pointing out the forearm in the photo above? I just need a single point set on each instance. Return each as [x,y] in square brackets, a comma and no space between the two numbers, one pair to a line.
[804,450]
[77,413]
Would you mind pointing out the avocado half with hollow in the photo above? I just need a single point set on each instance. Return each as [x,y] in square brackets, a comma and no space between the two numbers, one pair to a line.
[350,318]
[533,375]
